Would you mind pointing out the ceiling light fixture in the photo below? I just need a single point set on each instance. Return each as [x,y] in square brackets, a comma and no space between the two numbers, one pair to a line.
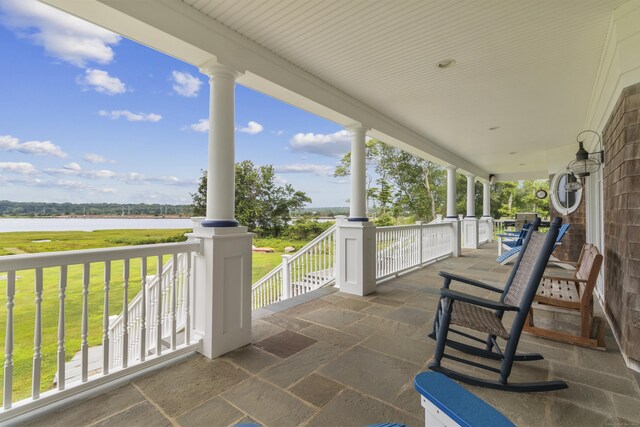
[584,165]
[446,63]
[494,128]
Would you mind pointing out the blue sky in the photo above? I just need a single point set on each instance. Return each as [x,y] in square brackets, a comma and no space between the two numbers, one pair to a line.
[88,116]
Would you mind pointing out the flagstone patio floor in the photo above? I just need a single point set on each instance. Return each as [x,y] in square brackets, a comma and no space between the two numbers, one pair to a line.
[331,359]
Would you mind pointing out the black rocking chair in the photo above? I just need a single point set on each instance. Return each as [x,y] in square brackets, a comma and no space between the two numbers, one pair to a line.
[484,315]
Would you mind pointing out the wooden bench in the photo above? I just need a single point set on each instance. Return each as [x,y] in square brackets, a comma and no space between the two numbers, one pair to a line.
[446,403]
[573,293]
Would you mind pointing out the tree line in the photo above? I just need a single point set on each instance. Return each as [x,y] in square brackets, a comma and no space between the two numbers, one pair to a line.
[42,209]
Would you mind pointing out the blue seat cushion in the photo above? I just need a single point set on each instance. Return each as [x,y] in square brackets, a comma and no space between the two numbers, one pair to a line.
[462,406]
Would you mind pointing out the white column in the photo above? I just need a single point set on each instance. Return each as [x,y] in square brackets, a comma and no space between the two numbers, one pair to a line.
[486,200]
[221,157]
[471,196]
[356,237]
[451,192]
[222,268]
[358,208]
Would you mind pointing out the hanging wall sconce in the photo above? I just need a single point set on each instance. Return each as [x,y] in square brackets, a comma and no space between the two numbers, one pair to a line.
[585,164]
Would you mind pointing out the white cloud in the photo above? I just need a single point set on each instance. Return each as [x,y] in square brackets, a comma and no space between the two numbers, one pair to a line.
[23,168]
[108,190]
[252,128]
[96,158]
[9,143]
[185,84]
[320,170]
[102,82]
[132,117]
[201,125]
[62,36]
[277,133]
[330,145]
[73,166]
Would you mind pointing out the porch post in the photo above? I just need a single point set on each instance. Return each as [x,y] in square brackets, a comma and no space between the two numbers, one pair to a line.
[486,209]
[451,193]
[221,157]
[452,215]
[471,196]
[356,237]
[358,208]
[222,286]
[486,200]
[470,223]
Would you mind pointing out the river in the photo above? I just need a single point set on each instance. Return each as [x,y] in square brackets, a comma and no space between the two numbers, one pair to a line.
[90,224]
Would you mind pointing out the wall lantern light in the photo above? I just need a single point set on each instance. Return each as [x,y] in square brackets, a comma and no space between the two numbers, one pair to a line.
[585,164]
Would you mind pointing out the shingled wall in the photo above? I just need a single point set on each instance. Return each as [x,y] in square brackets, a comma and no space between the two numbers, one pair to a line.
[621,138]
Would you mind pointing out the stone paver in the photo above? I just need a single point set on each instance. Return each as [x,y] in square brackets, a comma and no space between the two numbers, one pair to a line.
[212,412]
[316,389]
[285,344]
[268,404]
[186,385]
[343,360]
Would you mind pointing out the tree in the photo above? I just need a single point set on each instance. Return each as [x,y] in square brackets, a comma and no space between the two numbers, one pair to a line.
[405,184]
[261,205]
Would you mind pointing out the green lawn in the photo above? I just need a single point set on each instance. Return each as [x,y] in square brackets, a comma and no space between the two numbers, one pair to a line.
[24,309]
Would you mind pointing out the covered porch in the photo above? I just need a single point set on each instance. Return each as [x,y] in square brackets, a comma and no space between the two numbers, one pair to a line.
[330,358]
[349,357]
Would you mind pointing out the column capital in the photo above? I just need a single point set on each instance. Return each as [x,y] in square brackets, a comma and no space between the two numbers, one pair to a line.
[451,168]
[470,176]
[357,128]
[216,70]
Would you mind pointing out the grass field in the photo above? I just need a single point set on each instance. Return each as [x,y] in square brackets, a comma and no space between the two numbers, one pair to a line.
[24,309]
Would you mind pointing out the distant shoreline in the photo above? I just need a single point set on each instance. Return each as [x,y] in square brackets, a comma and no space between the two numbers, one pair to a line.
[97,217]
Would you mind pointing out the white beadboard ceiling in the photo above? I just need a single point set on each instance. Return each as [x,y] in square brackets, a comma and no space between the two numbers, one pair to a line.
[525,66]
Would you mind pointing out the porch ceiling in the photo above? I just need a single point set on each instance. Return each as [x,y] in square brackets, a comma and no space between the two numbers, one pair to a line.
[525,67]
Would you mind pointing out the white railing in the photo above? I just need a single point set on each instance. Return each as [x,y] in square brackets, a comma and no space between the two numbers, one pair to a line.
[75,278]
[312,267]
[166,295]
[401,248]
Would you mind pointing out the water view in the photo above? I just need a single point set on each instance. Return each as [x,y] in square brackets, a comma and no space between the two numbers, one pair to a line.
[90,224]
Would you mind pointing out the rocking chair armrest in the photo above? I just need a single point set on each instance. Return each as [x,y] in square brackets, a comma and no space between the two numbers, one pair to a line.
[564,279]
[472,299]
[468,281]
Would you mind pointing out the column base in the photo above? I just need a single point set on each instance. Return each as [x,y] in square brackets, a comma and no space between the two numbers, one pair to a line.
[222,289]
[356,257]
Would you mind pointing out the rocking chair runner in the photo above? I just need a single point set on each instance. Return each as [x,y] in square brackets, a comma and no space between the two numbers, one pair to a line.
[484,315]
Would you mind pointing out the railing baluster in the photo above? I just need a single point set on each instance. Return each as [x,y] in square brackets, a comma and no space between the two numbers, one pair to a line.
[8,342]
[143,309]
[61,325]
[105,319]
[84,345]
[174,283]
[37,338]
[125,312]
[159,309]
[187,302]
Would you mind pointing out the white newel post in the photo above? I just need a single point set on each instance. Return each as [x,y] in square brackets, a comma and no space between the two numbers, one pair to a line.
[470,223]
[486,208]
[452,215]
[222,279]
[356,237]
